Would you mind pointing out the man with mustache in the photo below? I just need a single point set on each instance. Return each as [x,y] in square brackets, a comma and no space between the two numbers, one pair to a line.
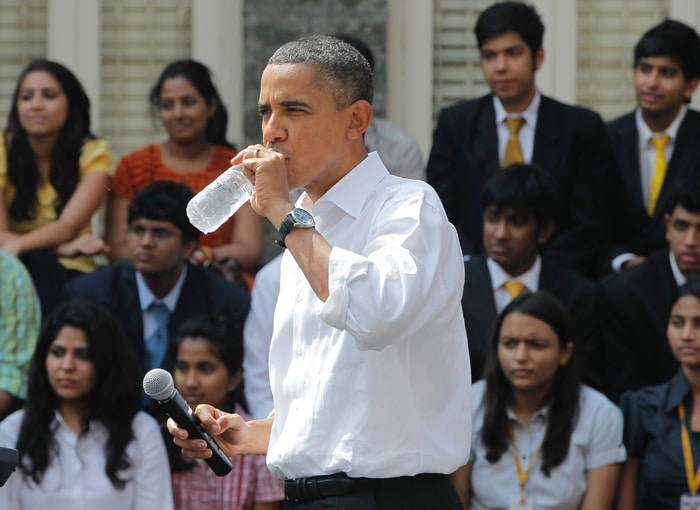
[518,219]
[655,146]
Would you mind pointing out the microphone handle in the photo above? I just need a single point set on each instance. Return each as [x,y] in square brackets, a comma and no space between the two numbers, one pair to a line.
[177,408]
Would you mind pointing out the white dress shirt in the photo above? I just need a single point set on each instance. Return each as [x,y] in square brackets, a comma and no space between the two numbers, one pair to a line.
[76,479]
[596,441]
[647,162]
[530,278]
[257,334]
[374,382]
[399,151]
[526,134]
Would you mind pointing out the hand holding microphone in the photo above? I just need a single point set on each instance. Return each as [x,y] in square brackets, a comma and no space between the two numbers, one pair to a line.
[158,384]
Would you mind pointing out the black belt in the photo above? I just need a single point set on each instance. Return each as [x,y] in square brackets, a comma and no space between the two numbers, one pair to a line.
[317,487]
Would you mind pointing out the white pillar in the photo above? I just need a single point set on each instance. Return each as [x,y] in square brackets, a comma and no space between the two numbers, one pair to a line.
[557,76]
[410,68]
[217,41]
[73,39]
[687,11]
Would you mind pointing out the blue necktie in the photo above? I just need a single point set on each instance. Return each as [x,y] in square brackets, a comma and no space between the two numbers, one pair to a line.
[157,342]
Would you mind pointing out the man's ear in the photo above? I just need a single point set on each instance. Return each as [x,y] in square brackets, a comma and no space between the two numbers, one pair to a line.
[545,234]
[360,116]
[188,248]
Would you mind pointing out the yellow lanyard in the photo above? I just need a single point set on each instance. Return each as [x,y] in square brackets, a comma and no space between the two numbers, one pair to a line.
[522,475]
[691,474]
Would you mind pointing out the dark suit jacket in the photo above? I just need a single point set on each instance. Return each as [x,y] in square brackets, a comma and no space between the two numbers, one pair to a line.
[570,143]
[577,294]
[203,293]
[635,307]
[633,230]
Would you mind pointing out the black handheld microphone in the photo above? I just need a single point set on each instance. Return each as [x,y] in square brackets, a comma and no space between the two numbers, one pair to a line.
[158,384]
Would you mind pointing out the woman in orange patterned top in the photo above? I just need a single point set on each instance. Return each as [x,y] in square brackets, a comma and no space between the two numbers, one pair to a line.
[195,153]
[54,175]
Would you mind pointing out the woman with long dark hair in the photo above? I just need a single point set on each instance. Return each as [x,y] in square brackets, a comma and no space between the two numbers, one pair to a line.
[81,437]
[540,438]
[54,175]
[196,152]
[209,369]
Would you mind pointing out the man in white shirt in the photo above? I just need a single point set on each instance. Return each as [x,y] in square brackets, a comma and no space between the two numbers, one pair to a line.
[369,365]
[656,145]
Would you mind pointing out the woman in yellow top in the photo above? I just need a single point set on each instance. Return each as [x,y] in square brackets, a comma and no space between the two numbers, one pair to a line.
[54,175]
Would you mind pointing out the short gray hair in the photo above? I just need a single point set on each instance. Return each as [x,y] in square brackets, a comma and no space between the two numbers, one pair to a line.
[340,69]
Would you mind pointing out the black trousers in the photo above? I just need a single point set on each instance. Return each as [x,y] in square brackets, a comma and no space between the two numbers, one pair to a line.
[421,492]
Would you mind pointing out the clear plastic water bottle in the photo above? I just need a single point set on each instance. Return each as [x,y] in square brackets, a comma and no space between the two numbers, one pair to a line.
[216,203]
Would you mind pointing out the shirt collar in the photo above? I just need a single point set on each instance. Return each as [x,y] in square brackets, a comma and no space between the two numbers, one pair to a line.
[645,133]
[529,114]
[677,274]
[677,390]
[146,296]
[350,192]
[530,278]
[542,414]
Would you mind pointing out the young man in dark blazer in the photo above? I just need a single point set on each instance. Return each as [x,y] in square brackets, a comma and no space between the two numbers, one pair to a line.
[472,141]
[636,304]
[518,219]
[666,71]
[161,240]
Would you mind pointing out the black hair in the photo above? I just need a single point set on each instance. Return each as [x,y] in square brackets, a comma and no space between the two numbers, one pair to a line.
[528,189]
[686,194]
[691,287]
[510,17]
[114,400]
[225,340]
[340,69]
[673,39]
[22,168]
[200,77]
[563,396]
[164,201]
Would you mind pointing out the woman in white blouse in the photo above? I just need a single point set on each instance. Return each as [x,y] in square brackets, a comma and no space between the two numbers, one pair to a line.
[541,439]
[82,441]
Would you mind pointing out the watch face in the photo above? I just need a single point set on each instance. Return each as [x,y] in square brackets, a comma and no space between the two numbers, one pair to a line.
[303,217]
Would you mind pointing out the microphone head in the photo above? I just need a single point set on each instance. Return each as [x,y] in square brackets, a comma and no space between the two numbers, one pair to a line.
[158,384]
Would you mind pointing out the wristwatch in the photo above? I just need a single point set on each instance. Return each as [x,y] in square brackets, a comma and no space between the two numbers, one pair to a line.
[297,218]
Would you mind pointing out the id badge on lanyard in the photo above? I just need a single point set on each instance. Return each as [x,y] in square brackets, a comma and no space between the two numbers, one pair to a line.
[689,501]
[524,502]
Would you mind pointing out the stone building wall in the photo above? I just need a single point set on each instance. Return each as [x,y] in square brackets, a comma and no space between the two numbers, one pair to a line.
[270,23]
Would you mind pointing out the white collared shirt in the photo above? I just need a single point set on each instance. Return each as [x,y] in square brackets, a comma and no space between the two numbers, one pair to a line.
[596,441]
[375,381]
[526,134]
[530,278]
[146,298]
[677,274]
[647,149]
[76,480]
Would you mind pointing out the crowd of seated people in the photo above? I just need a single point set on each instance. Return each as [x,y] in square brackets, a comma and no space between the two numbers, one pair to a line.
[581,300]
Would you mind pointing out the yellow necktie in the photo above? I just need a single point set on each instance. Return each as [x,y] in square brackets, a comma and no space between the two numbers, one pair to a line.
[514,288]
[513,153]
[657,180]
